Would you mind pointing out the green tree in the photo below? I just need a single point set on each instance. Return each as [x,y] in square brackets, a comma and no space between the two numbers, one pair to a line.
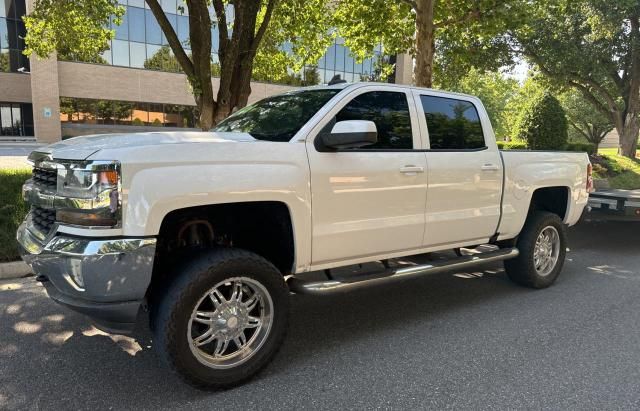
[421,26]
[532,89]
[496,91]
[586,123]
[592,46]
[79,27]
[543,124]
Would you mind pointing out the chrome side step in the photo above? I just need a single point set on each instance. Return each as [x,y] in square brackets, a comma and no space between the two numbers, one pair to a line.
[300,286]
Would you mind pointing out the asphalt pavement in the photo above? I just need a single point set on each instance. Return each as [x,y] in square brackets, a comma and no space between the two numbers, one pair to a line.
[446,341]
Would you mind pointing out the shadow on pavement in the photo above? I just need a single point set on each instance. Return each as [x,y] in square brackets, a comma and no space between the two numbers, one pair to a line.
[50,356]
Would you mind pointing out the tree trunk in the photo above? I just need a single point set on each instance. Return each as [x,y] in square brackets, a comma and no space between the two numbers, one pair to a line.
[628,130]
[425,43]
[629,135]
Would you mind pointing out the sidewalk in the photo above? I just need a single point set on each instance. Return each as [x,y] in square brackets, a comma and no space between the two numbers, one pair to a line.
[16,149]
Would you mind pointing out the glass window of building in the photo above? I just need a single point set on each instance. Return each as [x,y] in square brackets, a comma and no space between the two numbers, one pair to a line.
[137,53]
[136,24]
[125,113]
[16,119]
[122,30]
[169,6]
[140,114]
[6,122]
[153,31]
[120,51]
[183,30]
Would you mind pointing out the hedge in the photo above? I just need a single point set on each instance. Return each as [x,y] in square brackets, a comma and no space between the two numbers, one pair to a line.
[512,145]
[588,148]
[521,145]
[12,210]
[543,124]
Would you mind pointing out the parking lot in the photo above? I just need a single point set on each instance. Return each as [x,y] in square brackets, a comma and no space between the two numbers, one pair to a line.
[444,341]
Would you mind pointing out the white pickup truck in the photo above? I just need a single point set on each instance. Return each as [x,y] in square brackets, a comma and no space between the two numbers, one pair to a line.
[210,232]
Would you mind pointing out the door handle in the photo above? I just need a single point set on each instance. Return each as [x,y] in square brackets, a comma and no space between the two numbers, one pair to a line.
[489,167]
[410,169]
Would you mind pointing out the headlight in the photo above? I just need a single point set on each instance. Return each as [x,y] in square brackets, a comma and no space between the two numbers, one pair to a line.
[89,194]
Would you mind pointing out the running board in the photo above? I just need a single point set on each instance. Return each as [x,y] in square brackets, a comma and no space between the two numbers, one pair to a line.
[300,286]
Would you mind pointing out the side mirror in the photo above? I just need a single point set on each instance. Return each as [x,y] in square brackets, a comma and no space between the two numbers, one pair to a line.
[351,134]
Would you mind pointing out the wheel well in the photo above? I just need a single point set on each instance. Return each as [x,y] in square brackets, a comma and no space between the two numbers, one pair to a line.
[552,199]
[264,228]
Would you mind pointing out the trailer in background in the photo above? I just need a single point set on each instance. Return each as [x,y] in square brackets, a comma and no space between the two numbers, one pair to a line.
[617,205]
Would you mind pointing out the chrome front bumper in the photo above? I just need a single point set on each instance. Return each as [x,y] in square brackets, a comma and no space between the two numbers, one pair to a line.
[104,278]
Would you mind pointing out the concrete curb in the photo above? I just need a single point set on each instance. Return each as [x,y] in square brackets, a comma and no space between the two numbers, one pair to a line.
[16,269]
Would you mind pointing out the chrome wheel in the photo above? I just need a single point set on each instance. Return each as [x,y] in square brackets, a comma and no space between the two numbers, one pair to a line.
[230,322]
[546,251]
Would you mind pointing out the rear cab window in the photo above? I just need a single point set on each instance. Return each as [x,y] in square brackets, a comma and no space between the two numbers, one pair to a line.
[452,124]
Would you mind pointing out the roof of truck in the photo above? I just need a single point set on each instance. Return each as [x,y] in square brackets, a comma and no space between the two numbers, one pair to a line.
[341,86]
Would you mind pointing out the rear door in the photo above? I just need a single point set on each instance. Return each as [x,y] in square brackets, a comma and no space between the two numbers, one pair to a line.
[464,170]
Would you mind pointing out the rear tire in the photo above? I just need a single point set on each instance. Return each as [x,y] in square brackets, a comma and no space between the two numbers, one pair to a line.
[543,246]
[222,319]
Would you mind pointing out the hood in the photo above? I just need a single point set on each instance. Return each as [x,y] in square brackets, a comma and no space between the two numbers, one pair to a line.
[80,148]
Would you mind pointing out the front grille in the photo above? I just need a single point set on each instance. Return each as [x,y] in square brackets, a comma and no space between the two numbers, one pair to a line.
[43,218]
[44,178]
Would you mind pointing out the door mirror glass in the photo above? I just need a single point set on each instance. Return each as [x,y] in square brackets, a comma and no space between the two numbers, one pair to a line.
[351,134]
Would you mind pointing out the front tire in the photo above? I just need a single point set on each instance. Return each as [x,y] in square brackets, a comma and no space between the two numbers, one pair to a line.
[543,247]
[223,318]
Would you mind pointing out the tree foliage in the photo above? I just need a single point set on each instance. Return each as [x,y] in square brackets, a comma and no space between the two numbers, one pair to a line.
[497,93]
[80,29]
[592,46]
[464,33]
[585,122]
[543,124]
[71,27]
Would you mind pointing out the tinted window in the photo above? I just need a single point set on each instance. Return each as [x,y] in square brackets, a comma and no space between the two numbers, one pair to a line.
[452,124]
[277,118]
[389,110]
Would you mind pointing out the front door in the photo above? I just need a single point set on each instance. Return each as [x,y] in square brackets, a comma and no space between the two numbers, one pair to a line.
[369,201]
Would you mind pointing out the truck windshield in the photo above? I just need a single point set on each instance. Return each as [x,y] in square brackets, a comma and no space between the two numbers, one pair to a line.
[277,118]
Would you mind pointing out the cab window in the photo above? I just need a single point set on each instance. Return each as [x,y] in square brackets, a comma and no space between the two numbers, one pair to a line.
[389,110]
[453,124]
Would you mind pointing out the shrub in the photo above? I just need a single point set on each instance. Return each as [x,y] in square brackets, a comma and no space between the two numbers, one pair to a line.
[599,171]
[516,145]
[512,145]
[137,122]
[543,124]
[12,210]
[588,148]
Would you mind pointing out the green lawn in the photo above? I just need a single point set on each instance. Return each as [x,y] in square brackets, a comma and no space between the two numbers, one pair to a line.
[622,172]
[12,210]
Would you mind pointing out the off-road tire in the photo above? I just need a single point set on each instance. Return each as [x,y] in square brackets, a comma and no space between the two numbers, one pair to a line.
[171,317]
[521,270]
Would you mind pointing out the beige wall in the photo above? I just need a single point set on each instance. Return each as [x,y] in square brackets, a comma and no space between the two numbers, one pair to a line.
[45,98]
[129,84]
[15,88]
